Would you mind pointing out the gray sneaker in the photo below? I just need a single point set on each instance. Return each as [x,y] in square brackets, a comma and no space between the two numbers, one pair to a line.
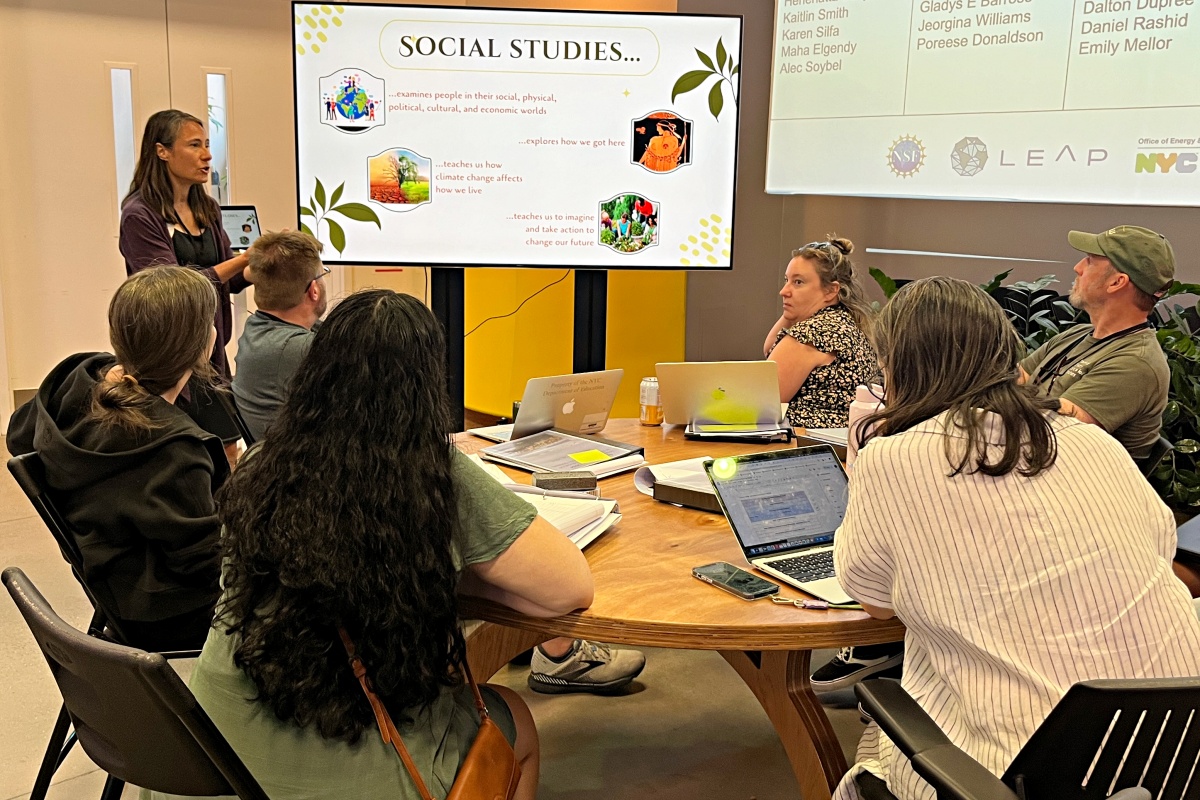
[588,667]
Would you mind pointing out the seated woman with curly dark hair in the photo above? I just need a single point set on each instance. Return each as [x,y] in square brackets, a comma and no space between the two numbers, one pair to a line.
[358,512]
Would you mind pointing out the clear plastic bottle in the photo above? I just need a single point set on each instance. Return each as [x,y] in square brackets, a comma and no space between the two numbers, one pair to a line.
[866,401]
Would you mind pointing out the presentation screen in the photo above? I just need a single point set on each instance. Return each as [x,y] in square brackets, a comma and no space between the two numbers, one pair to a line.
[483,137]
[1089,101]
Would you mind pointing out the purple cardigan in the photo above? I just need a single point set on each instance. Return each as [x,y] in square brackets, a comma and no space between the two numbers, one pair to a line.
[146,242]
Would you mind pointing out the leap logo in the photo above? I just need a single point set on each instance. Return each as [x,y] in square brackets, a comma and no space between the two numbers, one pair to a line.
[1166,162]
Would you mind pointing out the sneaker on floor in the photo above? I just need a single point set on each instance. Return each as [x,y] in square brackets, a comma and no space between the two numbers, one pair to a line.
[852,664]
[586,667]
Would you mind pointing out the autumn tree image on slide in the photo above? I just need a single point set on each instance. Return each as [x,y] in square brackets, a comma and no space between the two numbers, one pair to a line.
[400,177]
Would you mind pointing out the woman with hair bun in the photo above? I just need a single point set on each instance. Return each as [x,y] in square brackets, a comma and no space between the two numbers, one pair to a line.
[134,475]
[820,341]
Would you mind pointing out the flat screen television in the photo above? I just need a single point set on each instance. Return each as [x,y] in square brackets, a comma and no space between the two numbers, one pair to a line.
[454,136]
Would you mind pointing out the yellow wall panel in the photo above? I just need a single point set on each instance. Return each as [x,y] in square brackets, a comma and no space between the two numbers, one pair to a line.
[505,353]
[646,324]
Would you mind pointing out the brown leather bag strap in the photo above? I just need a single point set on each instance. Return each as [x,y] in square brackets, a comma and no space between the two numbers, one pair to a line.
[384,720]
[479,704]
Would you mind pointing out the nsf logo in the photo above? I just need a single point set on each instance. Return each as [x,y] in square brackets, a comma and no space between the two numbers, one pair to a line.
[906,156]
[969,156]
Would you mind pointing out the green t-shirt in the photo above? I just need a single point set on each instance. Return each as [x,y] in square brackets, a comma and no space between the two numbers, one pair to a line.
[293,763]
[1121,382]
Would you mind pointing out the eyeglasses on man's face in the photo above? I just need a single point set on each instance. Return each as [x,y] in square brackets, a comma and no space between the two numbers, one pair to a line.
[324,271]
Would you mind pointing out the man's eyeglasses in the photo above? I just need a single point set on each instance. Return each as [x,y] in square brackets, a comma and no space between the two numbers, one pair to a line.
[324,271]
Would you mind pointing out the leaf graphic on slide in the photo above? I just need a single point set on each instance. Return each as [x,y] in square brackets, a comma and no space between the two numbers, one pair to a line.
[307,230]
[716,101]
[337,236]
[721,54]
[705,60]
[320,194]
[689,81]
[305,211]
[337,195]
[359,213]
[736,69]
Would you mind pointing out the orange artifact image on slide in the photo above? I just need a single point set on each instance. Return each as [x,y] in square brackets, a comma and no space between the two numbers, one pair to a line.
[662,141]
[400,178]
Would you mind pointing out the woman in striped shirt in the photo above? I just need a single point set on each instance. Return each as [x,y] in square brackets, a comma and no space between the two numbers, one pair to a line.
[1023,551]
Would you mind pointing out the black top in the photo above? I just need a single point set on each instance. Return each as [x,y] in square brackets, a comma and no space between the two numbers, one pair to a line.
[141,504]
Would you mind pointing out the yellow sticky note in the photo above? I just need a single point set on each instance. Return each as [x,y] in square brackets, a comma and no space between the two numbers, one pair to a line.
[590,456]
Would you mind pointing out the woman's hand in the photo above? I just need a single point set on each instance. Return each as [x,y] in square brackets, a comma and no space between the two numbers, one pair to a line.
[769,343]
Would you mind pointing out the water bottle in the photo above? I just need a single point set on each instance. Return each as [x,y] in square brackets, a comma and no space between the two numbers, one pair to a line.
[866,401]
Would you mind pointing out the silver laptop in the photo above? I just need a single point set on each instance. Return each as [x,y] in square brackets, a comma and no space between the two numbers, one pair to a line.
[784,507]
[578,403]
[720,393]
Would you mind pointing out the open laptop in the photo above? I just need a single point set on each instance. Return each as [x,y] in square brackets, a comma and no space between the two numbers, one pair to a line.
[578,403]
[715,393]
[241,226]
[784,507]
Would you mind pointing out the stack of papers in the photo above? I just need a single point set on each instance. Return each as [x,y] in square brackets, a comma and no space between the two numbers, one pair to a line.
[581,516]
[755,432]
[555,451]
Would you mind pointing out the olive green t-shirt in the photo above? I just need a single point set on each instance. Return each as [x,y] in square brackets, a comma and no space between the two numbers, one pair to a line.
[294,763]
[1121,382]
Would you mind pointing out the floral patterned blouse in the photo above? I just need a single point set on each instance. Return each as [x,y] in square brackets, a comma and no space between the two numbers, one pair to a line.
[824,399]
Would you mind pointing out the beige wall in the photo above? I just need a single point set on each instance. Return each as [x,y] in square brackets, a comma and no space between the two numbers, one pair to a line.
[58,194]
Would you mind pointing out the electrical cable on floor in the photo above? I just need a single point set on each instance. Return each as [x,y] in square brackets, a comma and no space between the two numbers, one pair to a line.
[518,308]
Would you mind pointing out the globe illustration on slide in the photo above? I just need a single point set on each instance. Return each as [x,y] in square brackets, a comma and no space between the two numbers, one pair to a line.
[352,103]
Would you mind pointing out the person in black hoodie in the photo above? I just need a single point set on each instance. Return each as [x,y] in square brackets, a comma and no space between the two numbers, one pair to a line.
[134,475]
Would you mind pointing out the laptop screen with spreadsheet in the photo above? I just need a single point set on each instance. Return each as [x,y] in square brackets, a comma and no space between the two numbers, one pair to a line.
[782,500]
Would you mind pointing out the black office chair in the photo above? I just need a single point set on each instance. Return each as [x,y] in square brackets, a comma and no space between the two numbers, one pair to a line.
[133,715]
[1158,452]
[1103,737]
[30,474]
[230,403]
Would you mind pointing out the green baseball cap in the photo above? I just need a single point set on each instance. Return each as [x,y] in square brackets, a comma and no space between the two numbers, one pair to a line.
[1145,256]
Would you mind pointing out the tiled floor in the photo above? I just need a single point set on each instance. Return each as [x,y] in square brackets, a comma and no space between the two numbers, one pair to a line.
[687,729]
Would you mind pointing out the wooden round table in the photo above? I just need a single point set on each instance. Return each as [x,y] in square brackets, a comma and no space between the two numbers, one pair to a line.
[646,595]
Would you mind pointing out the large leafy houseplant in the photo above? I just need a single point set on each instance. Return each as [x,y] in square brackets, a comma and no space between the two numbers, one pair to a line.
[1177,478]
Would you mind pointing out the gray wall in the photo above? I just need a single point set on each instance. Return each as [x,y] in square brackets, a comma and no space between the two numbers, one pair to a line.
[728,312]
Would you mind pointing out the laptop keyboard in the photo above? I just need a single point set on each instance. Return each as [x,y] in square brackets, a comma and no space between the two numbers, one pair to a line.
[806,568]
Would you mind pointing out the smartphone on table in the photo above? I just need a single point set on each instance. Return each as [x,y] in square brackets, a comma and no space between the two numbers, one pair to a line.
[735,580]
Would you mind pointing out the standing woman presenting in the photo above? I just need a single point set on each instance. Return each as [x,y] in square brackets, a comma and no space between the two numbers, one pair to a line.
[169,218]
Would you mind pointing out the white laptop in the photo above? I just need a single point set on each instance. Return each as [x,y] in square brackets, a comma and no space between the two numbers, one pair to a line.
[784,507]
[712,393]
[578,403]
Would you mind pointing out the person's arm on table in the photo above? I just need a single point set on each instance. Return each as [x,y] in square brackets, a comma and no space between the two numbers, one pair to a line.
[796,362]
[541,574]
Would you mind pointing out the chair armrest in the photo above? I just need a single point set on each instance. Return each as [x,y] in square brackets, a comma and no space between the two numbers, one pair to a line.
[950,771]
[170,654]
